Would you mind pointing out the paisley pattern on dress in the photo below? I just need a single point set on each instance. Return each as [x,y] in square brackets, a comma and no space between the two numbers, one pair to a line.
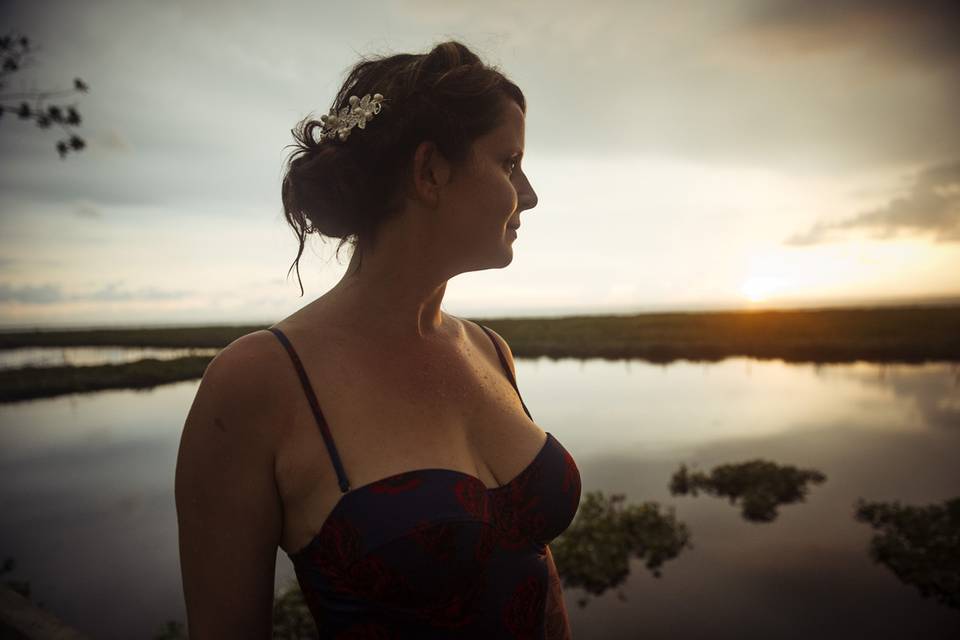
[471,494]
[342,546]
[433,553]
[437,540]
[396,484]
[523,613]
[446,554]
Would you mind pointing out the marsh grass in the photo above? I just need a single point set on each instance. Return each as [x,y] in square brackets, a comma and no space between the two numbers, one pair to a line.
[889,334]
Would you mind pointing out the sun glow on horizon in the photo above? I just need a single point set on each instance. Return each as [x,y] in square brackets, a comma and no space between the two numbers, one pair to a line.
[759,288]
[857,267]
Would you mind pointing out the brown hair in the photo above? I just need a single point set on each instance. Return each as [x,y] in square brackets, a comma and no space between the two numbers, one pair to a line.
[347,189]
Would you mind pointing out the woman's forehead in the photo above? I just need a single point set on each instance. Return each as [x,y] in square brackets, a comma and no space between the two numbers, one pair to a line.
[514,121]
[510,131]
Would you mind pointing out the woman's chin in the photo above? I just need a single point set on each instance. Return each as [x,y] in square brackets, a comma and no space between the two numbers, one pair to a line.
[509,254]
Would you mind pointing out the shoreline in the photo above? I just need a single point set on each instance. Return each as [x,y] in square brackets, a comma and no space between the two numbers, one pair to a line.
[909,335]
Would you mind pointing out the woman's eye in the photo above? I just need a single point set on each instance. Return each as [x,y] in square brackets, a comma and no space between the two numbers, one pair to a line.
[511,165]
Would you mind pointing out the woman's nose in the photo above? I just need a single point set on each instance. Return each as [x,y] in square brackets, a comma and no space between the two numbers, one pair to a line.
[527,198]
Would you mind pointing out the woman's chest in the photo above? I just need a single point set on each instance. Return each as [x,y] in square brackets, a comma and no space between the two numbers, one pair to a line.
[392,414]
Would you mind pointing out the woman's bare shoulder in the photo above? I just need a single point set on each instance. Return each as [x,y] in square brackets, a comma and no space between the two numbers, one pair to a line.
[248,377]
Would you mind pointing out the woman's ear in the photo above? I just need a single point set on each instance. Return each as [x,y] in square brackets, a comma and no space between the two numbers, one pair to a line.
[431,172]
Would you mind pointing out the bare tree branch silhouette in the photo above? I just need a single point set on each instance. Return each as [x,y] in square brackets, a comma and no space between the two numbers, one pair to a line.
[15,51]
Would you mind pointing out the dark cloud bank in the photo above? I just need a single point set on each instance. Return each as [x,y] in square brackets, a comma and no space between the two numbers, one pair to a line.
[931,207]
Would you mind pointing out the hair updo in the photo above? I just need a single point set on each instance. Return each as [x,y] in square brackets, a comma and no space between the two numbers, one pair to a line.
[347,189]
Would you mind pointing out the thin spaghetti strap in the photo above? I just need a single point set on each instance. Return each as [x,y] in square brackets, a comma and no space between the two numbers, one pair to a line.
[506,367]
[312,398]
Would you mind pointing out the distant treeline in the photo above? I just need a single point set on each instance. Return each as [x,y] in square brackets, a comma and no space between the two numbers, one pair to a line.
[901,334]
[885,334]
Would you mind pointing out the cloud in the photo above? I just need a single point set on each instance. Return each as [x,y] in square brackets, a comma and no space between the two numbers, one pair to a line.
[208,119]
[113,293]
[87,209]
[30,294]
[931,387]
[54,294]
[913,31]
[931,206]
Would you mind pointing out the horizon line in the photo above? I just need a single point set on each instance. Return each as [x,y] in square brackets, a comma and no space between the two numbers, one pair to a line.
[556,313]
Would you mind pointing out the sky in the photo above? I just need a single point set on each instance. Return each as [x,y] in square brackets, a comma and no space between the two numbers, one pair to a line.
[689,155]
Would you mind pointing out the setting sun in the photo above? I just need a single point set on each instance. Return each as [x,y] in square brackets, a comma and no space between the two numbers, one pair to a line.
[758,288]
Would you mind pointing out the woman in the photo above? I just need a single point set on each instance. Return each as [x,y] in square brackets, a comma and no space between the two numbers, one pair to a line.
[419,501]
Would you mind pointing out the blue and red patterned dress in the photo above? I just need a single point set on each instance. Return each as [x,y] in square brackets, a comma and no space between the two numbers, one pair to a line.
[435,553]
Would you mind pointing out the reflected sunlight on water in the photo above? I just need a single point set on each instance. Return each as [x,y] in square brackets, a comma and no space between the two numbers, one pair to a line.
[647,407]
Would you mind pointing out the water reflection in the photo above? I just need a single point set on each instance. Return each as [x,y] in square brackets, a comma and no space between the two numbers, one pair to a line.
[647,409]
[594,552]
[934,395]
[89,356]
[921,545]
[761,486]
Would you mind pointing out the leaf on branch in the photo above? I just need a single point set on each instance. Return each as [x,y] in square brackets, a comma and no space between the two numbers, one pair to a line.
[14,56]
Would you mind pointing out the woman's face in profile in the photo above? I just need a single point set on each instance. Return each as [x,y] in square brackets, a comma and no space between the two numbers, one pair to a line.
[495,190]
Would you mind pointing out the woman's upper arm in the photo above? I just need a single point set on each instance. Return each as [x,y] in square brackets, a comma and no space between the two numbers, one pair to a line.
[229,511]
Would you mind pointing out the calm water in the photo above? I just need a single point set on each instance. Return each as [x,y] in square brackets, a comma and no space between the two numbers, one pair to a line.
[88,356]
[88,510]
